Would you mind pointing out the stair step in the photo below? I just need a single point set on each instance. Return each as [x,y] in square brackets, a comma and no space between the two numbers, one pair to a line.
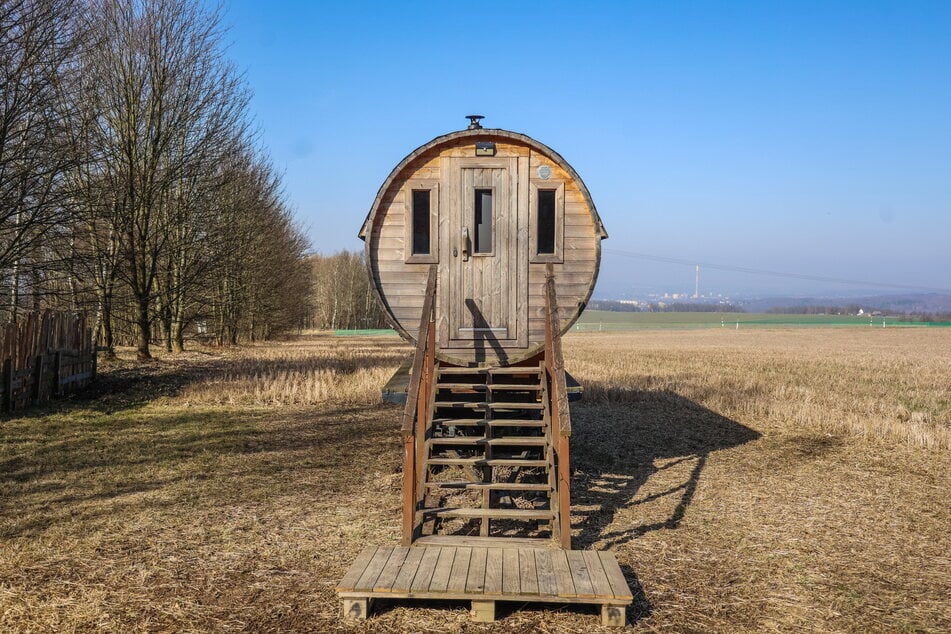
[483,405]
[460,386]
[530,370]
[492,422]
[538,441]
[515,405]
[515,422]
[459,422]
[514,387]
[472,404]
[490,462]
[511,514]
[452,370]
[477,540]
[515,370]
[492,486]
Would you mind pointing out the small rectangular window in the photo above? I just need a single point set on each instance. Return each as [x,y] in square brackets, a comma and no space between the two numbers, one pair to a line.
[546,222]
[420,206]
[421,227]
[482,242]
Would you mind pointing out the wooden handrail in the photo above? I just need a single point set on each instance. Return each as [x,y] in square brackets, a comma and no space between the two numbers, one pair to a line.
[554,361]
[422,341]
[416,412]
[558,406]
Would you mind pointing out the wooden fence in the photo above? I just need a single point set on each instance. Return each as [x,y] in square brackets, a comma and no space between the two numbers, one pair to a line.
[45,355]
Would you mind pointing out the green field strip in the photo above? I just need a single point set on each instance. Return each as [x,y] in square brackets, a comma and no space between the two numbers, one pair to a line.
[611,321]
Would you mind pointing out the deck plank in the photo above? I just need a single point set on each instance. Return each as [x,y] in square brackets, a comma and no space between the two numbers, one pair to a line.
[615,576]
[510,583]
[391,569]
[404,580]
[460,570]
[546,574]
[424,574]
[368,579]
[579,574]
[493,571]
[563,581]
[527,574]
[443,569]
[475,581]
[356,568]
[599,579]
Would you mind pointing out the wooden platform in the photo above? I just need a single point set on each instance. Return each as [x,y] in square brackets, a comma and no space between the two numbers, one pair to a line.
[485,575]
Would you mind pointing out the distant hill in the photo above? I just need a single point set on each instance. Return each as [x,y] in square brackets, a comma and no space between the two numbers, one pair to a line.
[907,303]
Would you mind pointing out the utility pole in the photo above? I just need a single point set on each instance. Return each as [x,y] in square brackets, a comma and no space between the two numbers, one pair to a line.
[696,286]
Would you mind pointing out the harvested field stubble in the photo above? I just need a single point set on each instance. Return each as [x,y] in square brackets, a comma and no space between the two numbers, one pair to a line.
[764,480]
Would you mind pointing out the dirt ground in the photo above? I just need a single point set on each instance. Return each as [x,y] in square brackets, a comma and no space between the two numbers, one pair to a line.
[776,480]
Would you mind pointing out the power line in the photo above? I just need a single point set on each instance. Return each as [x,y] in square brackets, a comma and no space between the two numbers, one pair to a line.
[752,271]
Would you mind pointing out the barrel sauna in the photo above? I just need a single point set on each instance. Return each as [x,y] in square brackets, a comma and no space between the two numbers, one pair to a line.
[484,246]
[492,209]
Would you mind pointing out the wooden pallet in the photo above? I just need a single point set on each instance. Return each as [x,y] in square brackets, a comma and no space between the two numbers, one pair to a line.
[484,575]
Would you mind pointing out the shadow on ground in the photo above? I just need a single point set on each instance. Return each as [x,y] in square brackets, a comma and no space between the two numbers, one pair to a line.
[84,468]
[619,445]
[122,384]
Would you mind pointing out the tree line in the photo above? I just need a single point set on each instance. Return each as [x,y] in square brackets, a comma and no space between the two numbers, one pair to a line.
[809,309]
[341,296]
[132,187]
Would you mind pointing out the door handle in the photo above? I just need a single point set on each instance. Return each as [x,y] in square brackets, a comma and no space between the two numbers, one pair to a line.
[465,244]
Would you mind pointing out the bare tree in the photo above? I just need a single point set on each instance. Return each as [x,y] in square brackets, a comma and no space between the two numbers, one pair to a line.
[169,104]
[262,280]
[192,256]
[342,296]
[36,42]
[129,184]
[95,187]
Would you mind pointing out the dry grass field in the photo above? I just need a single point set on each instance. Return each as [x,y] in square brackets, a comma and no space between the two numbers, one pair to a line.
[761,480]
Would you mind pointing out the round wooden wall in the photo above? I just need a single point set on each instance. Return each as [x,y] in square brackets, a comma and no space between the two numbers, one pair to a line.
[490,305]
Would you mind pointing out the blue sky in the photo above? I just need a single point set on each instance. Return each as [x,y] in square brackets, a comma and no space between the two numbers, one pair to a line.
[810,137]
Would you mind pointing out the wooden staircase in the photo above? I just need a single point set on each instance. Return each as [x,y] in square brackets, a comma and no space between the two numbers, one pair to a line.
[489,459]
[486,449]
[485,490]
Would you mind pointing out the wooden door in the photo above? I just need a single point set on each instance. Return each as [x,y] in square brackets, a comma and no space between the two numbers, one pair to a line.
[482,307]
